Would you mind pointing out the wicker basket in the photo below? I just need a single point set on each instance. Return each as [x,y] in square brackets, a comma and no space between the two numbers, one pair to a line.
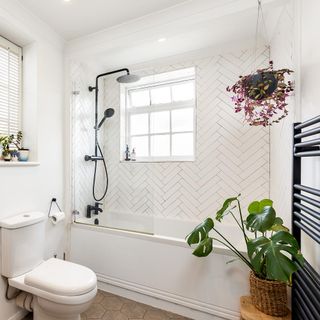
[270,297]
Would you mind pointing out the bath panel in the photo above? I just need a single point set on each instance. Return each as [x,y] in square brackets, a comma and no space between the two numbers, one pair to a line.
[163,268]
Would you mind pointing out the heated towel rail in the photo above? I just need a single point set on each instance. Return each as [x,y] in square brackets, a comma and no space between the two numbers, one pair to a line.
[306,219]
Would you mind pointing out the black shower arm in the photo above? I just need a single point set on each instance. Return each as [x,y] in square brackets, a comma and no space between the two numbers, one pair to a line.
[96,88]
[107,74]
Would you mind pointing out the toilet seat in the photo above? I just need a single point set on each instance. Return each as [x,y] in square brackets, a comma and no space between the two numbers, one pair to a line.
[59,281]
[61,278]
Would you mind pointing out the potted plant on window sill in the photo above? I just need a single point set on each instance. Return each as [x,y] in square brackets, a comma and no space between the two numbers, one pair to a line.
[5,142]
[23,153]
[269,246]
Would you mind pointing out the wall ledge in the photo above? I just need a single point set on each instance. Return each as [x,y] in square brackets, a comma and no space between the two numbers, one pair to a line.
[19,164]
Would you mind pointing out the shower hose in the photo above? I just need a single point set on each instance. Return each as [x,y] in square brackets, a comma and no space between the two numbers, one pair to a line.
[95,175]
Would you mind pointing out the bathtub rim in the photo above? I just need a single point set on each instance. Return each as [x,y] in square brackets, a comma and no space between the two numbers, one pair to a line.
[218,249]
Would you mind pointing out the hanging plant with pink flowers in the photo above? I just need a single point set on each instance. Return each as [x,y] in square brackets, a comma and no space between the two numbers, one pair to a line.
[262,96]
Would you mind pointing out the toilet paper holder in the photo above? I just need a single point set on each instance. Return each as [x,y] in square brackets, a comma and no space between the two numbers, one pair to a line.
[53,200]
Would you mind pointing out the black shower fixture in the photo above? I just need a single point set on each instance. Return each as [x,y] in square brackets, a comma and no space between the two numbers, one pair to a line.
[108,113]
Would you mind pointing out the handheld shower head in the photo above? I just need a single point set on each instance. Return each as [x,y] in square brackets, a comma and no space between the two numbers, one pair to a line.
[108,113]
[128,78]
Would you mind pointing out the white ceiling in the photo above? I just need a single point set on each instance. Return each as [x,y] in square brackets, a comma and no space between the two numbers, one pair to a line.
[192,26]
[78,18]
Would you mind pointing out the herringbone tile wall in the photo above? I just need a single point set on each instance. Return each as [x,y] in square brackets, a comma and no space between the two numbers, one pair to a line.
[231,157]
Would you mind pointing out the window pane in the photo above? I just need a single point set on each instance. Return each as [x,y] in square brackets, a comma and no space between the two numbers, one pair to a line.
[139,124]
[140,98]
[160,95]
[160,146]
[182,120]
[182,144]
[183,91]
[160,122]
[140,145]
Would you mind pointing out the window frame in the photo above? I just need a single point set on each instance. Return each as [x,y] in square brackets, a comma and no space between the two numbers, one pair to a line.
[151,108]
[17,50]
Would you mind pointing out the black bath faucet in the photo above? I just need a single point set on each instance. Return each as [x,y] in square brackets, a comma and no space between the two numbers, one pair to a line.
[95,209]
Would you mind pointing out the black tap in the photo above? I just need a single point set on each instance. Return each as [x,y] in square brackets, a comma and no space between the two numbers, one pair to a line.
[95,209]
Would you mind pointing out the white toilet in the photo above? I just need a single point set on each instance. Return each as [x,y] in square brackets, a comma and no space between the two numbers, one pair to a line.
[56,289]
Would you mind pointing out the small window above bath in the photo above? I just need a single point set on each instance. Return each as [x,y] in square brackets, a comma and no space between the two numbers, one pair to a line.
[159,117]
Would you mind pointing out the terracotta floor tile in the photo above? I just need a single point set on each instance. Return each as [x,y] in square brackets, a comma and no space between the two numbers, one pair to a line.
[96,311]
[112,303]
[114,315]
[108,306]
[155,315]
[133,310]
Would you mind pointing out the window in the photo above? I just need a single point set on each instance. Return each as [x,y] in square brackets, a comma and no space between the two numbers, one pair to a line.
[160,116]
[10,87]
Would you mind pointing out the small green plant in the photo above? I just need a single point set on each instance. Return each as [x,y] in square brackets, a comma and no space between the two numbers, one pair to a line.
[269,243]
[9,141]
[18,140]
[5,142]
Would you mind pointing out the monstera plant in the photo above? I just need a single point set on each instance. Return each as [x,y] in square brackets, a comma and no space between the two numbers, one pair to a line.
[273,254]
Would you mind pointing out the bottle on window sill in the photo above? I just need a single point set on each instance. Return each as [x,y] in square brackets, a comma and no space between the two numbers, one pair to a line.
[133,155]
[127,154]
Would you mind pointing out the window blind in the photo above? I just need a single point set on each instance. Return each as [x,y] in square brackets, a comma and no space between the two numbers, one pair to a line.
[10,87]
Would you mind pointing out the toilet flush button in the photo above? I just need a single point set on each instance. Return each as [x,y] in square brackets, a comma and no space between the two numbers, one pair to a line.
[26,215]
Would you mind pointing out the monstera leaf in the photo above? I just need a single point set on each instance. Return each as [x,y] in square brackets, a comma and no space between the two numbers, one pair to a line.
[270,256]
[200,236]
[225,209]
[278,225]
[262,216]
[257,206]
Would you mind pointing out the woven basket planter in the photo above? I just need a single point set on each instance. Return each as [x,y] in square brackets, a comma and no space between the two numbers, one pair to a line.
[270,297]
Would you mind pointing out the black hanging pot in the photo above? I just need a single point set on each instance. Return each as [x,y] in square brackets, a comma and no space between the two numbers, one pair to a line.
[261,85]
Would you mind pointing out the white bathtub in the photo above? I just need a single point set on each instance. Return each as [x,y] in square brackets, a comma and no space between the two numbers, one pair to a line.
[157,267]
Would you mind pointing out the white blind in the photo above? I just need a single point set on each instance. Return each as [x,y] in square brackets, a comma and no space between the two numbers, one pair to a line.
[10,87]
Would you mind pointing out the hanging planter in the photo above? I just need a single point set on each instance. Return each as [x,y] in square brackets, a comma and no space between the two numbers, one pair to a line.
[262,96]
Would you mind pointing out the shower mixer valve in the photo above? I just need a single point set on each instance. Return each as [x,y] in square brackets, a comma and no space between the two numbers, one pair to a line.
[92,158]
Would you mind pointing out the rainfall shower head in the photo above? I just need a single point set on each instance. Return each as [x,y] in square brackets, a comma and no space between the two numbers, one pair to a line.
[128,78]
[108,113]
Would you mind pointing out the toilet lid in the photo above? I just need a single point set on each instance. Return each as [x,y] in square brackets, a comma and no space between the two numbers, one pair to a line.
[62,278]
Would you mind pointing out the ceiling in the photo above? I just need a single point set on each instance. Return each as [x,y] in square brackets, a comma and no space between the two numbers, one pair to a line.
[195,25]
[77,18]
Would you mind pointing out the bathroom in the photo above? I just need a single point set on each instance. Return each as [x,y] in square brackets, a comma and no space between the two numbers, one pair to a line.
[134,140]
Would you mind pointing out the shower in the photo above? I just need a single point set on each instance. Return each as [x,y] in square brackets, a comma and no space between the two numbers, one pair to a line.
[108,113]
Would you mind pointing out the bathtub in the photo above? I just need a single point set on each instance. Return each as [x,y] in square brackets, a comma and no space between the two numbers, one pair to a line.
[147,259]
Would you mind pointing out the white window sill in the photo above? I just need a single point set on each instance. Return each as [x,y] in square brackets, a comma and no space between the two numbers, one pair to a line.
[157,160]
[19,164]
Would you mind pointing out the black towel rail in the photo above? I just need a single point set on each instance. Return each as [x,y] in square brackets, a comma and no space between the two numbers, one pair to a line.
[305,219]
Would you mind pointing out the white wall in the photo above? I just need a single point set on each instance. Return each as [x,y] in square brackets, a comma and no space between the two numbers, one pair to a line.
[282,49]
[31,188]
[310,77]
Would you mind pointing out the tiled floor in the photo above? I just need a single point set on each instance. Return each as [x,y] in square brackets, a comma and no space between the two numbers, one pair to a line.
[107,306]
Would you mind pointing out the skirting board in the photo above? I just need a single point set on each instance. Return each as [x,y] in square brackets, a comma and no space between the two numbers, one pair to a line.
[19,315]
[192,309]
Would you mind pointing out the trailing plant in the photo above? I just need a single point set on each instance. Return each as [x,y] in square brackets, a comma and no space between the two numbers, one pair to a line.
[269,243]
[262,96]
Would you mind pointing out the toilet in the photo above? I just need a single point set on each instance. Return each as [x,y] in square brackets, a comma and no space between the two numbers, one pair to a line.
[53,289]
